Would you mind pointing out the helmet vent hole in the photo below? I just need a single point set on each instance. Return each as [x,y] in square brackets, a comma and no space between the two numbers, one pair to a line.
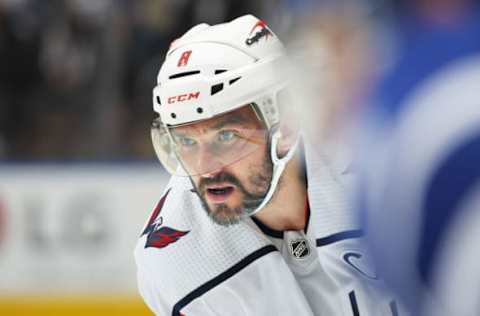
[216,88]
[199,110]
[219,71]
[173,115]
[234,80]
[158,100]
[184,74]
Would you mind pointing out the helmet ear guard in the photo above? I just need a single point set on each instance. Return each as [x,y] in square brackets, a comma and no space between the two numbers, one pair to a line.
[279,164]
[280,154]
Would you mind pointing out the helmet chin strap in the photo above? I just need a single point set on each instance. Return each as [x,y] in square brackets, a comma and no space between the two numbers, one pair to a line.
[278,167]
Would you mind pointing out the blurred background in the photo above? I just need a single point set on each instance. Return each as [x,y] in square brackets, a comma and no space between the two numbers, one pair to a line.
[78,175]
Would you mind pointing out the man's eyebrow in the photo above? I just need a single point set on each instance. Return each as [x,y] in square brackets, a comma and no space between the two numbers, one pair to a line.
[233,119]
[177,133]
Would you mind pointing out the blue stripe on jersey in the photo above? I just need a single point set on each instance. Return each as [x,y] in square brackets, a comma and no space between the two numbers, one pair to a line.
[393,308]
[348,234]
[452,182]
[221,278]
[353,303]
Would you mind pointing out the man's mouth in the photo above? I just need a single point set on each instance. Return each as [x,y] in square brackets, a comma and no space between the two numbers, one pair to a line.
[219,193]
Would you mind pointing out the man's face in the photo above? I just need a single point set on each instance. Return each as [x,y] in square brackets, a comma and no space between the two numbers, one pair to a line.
[229,163]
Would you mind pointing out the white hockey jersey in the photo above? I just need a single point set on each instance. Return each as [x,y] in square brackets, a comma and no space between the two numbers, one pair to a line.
[188,265]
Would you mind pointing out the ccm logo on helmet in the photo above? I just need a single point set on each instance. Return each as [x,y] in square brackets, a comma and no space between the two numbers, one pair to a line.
[183,97]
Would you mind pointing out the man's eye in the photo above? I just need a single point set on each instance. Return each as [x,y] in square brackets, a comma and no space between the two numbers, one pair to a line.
[187,142]
[225,136]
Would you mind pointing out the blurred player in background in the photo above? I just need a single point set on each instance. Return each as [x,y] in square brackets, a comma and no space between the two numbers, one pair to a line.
[334,49]
[253,221]
[420,187]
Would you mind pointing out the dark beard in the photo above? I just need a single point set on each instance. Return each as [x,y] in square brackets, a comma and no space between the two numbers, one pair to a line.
[225,215]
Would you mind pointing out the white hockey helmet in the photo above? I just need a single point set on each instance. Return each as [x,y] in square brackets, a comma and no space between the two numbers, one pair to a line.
[214,71]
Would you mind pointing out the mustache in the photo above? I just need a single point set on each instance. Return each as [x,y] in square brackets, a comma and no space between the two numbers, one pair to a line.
[251,200]
[219,178]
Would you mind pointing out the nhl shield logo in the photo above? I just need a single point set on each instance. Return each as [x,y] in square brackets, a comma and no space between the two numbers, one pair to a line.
[300,248]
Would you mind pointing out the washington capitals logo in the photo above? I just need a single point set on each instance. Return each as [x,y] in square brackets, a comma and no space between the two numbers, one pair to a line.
[262,32]
[160,236]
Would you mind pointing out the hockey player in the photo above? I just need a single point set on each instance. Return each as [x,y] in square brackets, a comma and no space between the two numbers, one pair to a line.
[252,222]
[420,187]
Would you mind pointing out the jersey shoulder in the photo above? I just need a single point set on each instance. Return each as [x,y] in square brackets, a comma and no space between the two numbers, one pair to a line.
[181,249]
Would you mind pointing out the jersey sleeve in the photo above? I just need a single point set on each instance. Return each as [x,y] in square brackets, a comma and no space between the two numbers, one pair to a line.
[147,290]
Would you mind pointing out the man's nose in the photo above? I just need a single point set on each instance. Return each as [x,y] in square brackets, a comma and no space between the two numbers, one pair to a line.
[208,164]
